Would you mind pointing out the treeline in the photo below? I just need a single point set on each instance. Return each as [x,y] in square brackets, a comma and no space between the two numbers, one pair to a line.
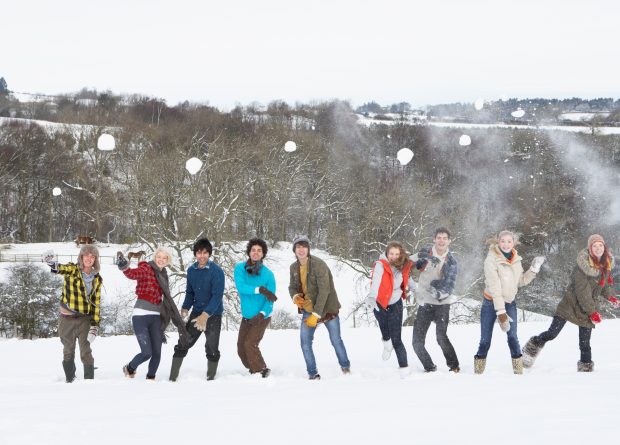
[343,186]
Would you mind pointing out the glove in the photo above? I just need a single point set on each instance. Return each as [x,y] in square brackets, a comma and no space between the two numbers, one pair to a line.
[255,320]
[201,321]
[121,261]
[92,334]
[614,301]
[267,293]
[536,263]
[312,320]
[595,317]
[307,306]
[48,256]
[184,313]
[371,304]
[504,321]
[298,299]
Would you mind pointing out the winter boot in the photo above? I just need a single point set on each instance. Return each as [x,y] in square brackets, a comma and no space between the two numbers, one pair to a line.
[89,372]
[69,367]
[315,377]
[387,349]
[128,371]
[211,369]
[346,371]
[517,365]
[265,373]
[479,364]
[530,352]
[585,366]
[175,368]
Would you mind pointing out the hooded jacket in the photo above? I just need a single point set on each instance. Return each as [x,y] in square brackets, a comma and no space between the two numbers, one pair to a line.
[584,292]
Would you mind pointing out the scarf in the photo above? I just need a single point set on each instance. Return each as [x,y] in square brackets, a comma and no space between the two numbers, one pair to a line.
[169,310]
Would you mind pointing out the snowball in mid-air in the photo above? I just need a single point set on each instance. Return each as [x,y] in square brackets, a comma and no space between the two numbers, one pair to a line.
[479,104]
[464,140]
[106,142]
[56,191]
[290,146]
[404,156]
[518,113]
[193,165]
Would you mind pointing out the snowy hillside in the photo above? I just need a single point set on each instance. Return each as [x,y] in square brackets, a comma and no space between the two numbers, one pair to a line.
[550,404]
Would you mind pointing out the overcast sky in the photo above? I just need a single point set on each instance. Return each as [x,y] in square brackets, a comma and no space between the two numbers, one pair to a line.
[228,52]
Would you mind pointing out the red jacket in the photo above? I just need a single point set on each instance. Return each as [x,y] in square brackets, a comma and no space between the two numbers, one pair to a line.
[387,283]
[147,287]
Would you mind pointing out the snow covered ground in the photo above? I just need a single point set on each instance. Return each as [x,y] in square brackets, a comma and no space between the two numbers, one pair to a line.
[549,404]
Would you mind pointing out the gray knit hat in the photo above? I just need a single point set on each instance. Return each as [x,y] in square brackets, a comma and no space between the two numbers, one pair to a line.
[301,239]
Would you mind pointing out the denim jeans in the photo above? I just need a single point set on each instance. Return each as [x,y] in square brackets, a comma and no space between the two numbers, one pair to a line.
[148,333]
[212,334]
[391,324]
[307,336]
[556,326]
[440,314]
[487,320]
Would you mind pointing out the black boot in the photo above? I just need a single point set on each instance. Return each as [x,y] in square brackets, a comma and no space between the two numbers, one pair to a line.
[69,368]
[175,368]
[211,369]
[89,372]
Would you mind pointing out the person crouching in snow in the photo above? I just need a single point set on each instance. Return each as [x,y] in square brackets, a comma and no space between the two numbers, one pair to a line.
[503,276]
[388,289]
[256,286]
[590,280]
[79,308]
[153,310]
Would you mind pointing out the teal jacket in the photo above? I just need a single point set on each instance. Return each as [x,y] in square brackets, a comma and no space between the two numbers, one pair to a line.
[247,285]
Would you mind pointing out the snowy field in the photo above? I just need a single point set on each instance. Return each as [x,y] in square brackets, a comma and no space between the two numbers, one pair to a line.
[550,404]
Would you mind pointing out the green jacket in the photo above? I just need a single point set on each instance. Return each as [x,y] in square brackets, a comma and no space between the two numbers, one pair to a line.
[320,285]
[583,294]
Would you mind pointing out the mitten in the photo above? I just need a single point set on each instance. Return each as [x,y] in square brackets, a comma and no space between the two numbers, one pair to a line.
[371,304]
[504,321]
[256,319]
[267,293]
[92,334]
[312,320]
[307,305]
[595,317]
[201,321]
[121,261]
[298,299]
[184,313]
[48,256]
[614,301]
[536,263]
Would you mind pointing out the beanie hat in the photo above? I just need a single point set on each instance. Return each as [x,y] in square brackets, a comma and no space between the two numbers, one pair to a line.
[594,239]
[301,239]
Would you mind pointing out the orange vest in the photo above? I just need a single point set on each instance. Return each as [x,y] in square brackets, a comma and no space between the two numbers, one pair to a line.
[387,283]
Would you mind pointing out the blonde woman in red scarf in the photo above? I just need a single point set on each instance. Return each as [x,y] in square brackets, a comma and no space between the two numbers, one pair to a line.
[590,282]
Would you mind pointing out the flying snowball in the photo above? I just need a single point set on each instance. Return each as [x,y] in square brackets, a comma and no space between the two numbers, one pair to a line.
[106,142]
[479,104]
[290,146]
[404,156]
[193,165]
[389,136]
[518,113]
[464,140]
[56,191]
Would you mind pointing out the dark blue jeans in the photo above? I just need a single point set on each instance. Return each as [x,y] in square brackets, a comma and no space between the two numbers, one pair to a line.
[556,326]
[148,333]
[391,324]
[212,334]
[440,314]
[487,321]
